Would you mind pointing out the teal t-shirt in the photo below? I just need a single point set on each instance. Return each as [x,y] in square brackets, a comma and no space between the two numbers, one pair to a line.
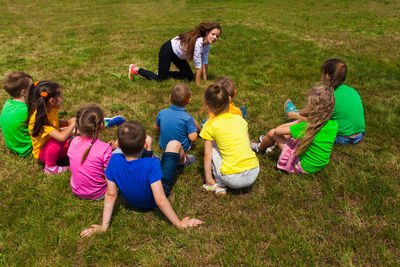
[15,131]
[318,153]
[349,111]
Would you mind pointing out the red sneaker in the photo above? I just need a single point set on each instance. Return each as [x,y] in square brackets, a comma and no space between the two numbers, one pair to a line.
[132,71]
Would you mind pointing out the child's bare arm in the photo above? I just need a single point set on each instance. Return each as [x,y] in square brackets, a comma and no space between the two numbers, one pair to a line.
[284,129]
[207,162]
[164,205]
[197,125]
[109,201]
[64,134]
[193,137]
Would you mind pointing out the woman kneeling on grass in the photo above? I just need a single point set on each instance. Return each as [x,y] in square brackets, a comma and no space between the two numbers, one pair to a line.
[194,44]
[306,143]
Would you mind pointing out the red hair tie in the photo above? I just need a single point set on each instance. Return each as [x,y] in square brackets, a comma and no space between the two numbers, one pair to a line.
[44,94]
[35,83]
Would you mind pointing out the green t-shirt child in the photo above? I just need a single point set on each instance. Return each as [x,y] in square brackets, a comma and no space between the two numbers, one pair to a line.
[348,111]
[15,131]
[318,153]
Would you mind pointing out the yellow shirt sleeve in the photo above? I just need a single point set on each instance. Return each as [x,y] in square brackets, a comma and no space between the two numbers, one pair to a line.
[207,131]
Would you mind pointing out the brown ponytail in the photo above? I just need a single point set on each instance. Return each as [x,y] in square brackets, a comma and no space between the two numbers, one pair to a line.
[333,72]
[216,98]
[89,120]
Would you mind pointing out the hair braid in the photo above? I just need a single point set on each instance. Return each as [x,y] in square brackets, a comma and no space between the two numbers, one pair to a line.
[89,121]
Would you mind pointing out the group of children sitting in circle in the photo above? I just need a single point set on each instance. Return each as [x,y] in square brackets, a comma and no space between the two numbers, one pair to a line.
[30,124]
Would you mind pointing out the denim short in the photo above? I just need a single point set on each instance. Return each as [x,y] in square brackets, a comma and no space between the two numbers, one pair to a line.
[349,140]
[169,162]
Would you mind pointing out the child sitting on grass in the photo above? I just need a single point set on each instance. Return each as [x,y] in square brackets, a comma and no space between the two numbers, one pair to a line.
[88,155]
[15,113]
[230,159]
[349,111]
[50,144]
[306,143]
[143,182]
[174,123]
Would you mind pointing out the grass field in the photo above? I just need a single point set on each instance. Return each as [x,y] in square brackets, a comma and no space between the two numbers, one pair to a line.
[347,214]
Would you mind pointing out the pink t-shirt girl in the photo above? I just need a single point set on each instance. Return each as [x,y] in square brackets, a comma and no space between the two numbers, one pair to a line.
[88,180]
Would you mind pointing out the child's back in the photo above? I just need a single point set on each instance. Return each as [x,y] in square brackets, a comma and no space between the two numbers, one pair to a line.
[318,153]
[349,111]
[15,113]
[40,140]
[174,122]
[87,178]
[15,132]
[134,178]
[230,134]
[89,156]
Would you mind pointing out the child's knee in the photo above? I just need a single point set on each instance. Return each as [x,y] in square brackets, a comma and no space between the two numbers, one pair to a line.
[173,146]
[271,133]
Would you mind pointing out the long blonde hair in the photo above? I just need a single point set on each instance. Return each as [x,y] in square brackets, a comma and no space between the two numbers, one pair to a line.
[318,110]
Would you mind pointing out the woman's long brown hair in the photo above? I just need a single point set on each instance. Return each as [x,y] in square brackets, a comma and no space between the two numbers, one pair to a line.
[188,39]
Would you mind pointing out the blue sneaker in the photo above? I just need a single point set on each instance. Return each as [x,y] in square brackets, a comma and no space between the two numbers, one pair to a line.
[110,122]
[244,111]
[289,107]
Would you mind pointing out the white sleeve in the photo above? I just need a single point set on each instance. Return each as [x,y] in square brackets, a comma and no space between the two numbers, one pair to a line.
[204,55]
[197,53]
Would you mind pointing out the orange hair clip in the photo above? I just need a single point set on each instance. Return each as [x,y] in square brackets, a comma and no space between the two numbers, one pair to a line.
[35,83]
[44,94]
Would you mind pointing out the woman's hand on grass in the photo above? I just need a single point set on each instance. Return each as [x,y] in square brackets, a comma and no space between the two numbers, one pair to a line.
[90,231]
[187,222]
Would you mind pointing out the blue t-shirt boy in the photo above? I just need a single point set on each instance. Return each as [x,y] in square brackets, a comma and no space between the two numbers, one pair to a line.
[134,178]
[175,124]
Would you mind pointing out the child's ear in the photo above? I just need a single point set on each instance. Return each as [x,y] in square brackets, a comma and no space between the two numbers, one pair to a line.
[52,101]
[24,92]
[169,97]
[189,101]
[234,93]
[230,99]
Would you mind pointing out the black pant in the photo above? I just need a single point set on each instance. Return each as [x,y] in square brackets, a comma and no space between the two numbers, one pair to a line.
[165,56]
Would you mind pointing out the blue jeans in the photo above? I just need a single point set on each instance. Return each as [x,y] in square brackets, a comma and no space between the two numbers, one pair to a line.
[169,162]
[349,140]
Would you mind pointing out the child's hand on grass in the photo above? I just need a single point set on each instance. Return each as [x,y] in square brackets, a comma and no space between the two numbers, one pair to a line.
[90,231]
[187,222]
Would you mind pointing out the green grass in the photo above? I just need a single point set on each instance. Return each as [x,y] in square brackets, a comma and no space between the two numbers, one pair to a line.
[347,214]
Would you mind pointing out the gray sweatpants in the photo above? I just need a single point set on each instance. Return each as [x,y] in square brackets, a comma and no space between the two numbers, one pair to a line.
[236,180]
